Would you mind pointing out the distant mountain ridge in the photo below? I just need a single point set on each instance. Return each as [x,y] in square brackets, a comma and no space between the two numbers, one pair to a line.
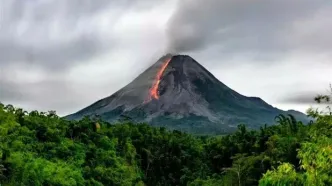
[179,93]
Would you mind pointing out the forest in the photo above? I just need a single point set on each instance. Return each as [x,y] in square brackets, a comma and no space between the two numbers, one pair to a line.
[41,148]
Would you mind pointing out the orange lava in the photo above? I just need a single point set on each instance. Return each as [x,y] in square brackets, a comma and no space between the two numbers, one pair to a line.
[154,89]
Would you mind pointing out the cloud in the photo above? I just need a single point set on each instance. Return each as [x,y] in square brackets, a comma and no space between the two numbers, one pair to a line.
[301,98]
[255,26]
[58,34]
[55,57]
[44,95]
[305,97]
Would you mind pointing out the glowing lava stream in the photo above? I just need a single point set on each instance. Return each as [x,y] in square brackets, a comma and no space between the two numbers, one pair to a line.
[154,89]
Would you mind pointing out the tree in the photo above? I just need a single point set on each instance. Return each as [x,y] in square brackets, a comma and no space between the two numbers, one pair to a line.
[316,160]
[284,175]
[315,154]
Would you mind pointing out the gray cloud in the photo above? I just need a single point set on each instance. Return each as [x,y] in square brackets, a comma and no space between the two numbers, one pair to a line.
[301,98]
[305,97]
[51,57]
[47,33]
[58,34]
[10,92]
[259,26]
[52,94]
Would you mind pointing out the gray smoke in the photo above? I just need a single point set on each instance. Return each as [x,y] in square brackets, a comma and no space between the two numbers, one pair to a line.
[250,26]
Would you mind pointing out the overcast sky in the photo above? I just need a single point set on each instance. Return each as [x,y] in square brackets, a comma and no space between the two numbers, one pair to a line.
[64,55]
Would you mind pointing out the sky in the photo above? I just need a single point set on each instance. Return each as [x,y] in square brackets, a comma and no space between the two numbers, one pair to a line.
[64,55]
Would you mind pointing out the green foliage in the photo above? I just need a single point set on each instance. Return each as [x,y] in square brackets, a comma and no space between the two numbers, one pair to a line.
[315,153]
[39,148]
[316,160]
[42,149]
[284,175]
[29,170]
[207,182]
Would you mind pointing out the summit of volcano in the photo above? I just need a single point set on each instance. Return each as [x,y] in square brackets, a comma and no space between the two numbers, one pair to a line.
[178,93]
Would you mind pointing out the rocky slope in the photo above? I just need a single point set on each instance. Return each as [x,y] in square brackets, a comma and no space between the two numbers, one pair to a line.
[179,93]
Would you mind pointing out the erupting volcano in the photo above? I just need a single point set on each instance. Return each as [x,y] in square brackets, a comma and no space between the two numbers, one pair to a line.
[154,89]
[178,93]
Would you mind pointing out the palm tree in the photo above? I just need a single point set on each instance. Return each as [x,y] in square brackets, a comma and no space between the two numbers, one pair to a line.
[289,122]
[9,108]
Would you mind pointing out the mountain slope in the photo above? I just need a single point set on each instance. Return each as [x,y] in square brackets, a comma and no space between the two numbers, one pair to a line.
[178,93]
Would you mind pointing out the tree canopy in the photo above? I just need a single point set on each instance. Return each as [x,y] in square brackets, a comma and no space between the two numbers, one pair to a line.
[40,148]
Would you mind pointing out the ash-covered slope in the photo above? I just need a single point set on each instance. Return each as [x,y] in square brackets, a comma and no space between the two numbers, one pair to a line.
[178,93]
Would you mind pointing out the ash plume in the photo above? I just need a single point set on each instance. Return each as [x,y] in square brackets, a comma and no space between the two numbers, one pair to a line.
[246,26]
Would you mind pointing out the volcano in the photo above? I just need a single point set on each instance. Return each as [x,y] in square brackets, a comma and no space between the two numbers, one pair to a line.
[179,93]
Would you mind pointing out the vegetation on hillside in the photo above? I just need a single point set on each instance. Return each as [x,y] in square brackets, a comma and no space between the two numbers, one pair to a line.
[38,148]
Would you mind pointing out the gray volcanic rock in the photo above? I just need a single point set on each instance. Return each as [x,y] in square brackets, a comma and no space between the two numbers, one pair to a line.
[191,99]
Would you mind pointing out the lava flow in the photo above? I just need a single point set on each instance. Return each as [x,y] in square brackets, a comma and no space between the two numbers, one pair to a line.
[153,93]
